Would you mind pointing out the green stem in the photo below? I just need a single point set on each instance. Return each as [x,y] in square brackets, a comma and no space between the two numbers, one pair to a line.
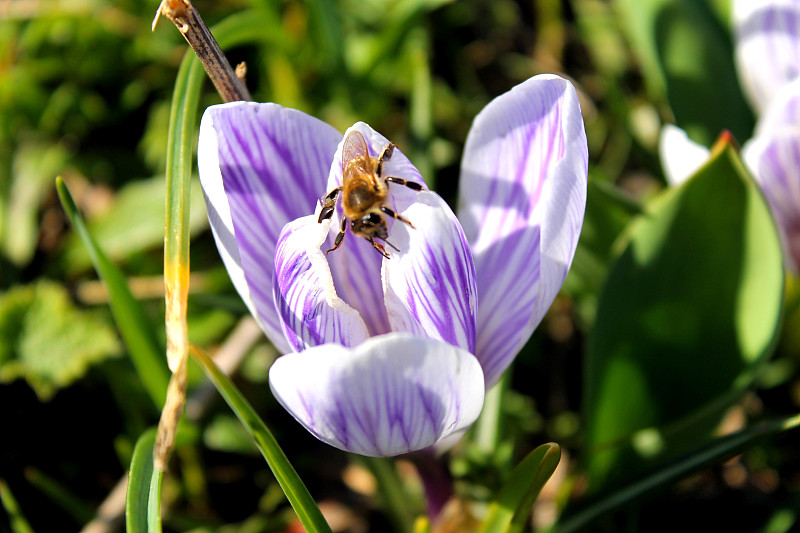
[487,428]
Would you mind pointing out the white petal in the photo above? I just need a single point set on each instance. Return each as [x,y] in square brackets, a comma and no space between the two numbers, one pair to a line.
[523,195]
[680,156]
[356,266]
[261,165]
[767,47]
[391,395]
[430,283]
[310,311]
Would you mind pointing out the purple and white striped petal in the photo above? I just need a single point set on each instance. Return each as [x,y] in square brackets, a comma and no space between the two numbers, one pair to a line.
[430,283]
[394,394]
[523,195]
[356,266]
[767,47]
[782,117]
[680,156]
[261,165]
[775,161]
[773,156]
[310,311]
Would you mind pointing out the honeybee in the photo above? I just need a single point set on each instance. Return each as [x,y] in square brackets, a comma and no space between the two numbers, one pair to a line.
[364,190]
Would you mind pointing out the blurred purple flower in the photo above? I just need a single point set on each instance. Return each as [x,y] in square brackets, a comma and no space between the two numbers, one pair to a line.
[768,60]
[387,356]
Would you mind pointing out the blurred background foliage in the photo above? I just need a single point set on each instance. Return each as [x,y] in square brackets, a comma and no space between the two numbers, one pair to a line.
[85,89]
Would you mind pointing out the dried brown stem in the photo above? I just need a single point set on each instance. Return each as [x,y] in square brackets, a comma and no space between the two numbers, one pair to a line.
[229,356]
[183,14]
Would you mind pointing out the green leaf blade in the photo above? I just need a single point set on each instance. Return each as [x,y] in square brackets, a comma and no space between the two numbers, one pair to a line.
[18,522]
[143,503]
[687,58]
[135,327]
[296,492]
[511,506]
[692,304]
[703,456]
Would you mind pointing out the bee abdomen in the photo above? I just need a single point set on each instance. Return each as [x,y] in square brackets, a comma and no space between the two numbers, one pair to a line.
[361,198]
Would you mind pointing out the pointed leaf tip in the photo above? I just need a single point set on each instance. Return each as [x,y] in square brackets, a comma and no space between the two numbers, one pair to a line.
[725,140]
[509,510]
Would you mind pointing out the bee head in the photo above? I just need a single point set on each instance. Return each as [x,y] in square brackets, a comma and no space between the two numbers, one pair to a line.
[371,225]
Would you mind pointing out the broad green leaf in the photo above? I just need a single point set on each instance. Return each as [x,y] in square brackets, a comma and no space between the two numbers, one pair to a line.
[511,506]
[608,213]
[702,456]
[133,222]
[687,58]
[689,310]
[47,341]
[137,331]
[18,522]
[296,492]
[143,502]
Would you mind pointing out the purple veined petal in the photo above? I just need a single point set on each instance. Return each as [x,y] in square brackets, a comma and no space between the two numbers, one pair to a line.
[767,46]
[430,283]
[261,165]
[775,162]
[310,311]
[522,195]
[356,266]
[680,156]
[394,394]
[782,116]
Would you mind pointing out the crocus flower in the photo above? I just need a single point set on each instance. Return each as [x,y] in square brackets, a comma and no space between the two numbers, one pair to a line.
[385,356]
[768,59]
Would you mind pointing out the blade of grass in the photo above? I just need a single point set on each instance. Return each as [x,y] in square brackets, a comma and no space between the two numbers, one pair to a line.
[143,504]
[296,492]
[236,29]
[137,331]
[180,140]
[327,28]
[715,452]
[511,506]
[18,522]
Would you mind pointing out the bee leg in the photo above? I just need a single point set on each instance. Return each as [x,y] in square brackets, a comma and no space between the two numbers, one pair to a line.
[339,236]
[378,246]
[400,181]
[385,156]
[392,214]
[396,249]
[328,205]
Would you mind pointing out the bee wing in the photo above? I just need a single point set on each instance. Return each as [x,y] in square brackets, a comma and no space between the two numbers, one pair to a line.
[355,152]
